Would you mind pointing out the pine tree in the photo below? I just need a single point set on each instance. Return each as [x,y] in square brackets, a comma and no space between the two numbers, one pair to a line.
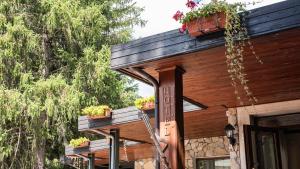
[54,61]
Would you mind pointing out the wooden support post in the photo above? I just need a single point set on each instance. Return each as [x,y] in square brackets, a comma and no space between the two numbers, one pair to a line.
[114,149]
[171,115]
[91,161]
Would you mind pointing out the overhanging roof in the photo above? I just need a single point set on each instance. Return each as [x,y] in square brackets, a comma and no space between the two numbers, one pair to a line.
[261,21]
[134,151]
[128,120]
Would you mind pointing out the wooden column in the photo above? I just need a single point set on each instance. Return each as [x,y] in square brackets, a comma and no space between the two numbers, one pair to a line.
[171,115]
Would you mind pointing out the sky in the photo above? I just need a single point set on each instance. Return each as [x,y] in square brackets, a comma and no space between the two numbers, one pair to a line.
[158,14]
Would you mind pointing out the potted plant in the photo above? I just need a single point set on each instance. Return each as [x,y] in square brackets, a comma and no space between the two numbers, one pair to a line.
[80,142]
[145,103]
[207,18]
[97,112]
[215,16]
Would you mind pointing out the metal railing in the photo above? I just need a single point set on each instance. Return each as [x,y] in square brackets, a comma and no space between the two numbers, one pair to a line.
[155,138]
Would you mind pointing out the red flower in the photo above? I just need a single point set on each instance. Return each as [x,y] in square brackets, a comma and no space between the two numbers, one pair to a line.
[178,15]
[191,4]
[183,28]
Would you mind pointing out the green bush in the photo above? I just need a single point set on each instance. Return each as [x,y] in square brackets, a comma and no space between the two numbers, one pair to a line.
[95,110]
[76,142]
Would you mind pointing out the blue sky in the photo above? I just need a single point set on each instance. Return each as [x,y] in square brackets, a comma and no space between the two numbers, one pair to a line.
[159,14]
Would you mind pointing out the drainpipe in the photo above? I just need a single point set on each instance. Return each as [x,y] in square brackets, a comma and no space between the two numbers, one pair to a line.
[155,84]
[91,162]
[113,147]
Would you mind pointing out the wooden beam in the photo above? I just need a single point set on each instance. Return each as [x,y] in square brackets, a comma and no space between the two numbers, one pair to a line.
[171,115]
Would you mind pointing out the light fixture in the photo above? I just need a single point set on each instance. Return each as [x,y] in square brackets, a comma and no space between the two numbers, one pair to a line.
[229,130]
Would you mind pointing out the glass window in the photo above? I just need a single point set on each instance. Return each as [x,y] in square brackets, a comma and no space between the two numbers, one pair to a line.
[213,163]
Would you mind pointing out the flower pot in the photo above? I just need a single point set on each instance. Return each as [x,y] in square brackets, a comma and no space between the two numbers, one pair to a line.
[107,115]
[84,144]
[206,25]
[148,106]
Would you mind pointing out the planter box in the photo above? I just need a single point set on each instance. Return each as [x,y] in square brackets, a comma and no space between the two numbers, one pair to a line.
[85,144]
[148,106]
[210,24]
[107,115]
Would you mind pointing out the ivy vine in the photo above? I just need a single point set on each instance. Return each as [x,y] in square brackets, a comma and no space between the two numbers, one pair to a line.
[237,39]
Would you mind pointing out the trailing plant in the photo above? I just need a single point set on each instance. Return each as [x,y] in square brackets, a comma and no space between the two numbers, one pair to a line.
[236,38]
[143,103]
[77,142]
[95,110]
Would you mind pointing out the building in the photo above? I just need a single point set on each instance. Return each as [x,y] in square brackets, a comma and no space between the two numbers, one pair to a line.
[192,72]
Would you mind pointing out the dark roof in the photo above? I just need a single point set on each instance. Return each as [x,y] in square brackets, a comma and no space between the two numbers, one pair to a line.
[96,145]
[261,21]
[120,116]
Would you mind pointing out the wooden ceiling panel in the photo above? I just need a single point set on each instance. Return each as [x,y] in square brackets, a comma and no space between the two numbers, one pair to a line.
[201,123]
[206,79]
[132,153]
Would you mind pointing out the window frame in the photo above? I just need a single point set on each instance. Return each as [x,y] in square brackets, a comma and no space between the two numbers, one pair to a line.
[209,158]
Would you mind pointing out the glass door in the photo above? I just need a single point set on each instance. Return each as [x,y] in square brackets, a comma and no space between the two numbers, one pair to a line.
[262,147]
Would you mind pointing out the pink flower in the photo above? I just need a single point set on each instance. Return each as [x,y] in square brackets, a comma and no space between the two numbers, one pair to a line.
[183,28]
[178,15]
[191,4]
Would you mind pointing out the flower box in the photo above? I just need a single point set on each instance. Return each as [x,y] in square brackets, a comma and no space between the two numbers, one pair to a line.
[148,106]
[206,25]
[84,144]
[106,115]
[145,103]
[80,142]
[97,112]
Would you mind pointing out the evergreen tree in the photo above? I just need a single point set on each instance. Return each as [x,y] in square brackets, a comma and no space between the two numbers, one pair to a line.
[54,61]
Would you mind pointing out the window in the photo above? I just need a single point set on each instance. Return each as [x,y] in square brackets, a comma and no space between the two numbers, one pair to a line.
[213,163]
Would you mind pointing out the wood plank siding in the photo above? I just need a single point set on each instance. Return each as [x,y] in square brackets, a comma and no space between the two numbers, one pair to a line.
[261,21]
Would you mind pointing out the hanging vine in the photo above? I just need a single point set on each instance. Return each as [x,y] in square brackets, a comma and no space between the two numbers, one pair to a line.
[236,37]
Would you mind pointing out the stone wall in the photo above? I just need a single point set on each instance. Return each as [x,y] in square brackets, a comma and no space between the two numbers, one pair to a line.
[195,148]
[205,147]
[148,163]
[235,160]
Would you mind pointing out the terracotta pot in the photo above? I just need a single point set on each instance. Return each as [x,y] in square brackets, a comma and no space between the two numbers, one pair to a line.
[206,25]
[84,144]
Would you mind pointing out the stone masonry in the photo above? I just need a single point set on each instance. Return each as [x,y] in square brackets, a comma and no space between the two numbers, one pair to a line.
[235,160]
[195,148]
[148,163]
[203,148]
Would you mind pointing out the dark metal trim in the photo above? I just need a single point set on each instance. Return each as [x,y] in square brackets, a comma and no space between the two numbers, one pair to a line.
[194,102]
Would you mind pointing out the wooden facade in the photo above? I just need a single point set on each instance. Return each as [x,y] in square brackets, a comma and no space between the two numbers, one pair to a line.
[274,31]
[261,21]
